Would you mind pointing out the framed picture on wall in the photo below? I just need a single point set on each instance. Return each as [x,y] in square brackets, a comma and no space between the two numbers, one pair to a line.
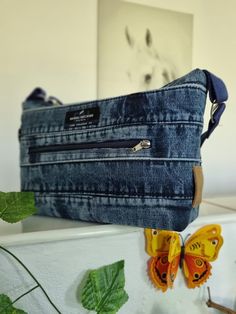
[141,47]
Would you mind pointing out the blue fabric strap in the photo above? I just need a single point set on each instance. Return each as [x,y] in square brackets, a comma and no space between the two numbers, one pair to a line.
[217,94]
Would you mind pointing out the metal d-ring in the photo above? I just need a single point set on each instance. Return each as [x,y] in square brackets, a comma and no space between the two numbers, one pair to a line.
[214,107]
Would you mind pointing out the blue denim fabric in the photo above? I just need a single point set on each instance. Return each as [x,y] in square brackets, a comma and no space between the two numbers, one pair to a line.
[150,188]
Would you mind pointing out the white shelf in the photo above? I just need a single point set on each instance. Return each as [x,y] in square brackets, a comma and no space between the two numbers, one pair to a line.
[38,229]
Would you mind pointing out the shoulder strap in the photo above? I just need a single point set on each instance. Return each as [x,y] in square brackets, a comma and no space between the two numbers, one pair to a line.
[218,94]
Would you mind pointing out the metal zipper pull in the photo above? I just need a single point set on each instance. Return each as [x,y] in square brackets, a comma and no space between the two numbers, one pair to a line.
[141,145]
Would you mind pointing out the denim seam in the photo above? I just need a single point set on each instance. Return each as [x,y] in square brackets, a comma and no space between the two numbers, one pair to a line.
[92,195]
[198,86]
[109,159]
[110,127]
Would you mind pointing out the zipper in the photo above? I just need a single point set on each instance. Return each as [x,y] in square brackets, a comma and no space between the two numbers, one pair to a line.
[133,145]
[141,145]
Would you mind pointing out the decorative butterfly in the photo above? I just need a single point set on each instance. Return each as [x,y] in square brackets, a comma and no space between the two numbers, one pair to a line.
[193,256]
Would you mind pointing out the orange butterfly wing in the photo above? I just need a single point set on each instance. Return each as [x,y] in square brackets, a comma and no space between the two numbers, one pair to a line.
[196,270]
[200,249]
[158,269]
[162,269]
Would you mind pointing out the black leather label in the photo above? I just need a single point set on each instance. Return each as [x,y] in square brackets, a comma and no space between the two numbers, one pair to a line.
[77,118]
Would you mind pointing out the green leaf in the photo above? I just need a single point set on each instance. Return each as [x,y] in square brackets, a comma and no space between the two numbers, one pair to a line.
[15,206]
[104,290]
[6,306]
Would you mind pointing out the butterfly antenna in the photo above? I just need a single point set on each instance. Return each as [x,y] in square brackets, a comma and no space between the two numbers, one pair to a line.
[189,234]
[182,239]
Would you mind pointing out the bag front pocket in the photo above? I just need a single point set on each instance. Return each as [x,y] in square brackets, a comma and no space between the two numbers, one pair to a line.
[93,149]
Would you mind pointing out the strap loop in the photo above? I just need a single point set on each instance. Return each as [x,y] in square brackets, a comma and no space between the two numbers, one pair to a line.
[217,90]
[217,94]
[214,121]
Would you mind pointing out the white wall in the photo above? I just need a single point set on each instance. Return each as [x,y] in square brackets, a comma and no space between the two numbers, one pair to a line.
[47,43]
[52,43]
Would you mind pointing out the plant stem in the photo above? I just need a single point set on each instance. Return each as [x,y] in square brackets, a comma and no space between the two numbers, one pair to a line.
[21,296]
[217,306]
[29,272]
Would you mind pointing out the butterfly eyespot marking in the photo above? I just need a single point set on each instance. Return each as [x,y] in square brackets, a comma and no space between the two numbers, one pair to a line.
[196,276]
[163,275]
[164,259]
[214,242]
[154,232]
[199,263]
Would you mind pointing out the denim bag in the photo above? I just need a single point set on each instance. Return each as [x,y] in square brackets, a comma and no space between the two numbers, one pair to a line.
[131,160]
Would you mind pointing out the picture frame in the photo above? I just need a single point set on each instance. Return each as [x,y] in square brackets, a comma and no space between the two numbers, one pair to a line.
[140,47]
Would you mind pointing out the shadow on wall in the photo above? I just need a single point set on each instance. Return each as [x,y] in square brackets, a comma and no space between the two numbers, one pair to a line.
[74,293]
